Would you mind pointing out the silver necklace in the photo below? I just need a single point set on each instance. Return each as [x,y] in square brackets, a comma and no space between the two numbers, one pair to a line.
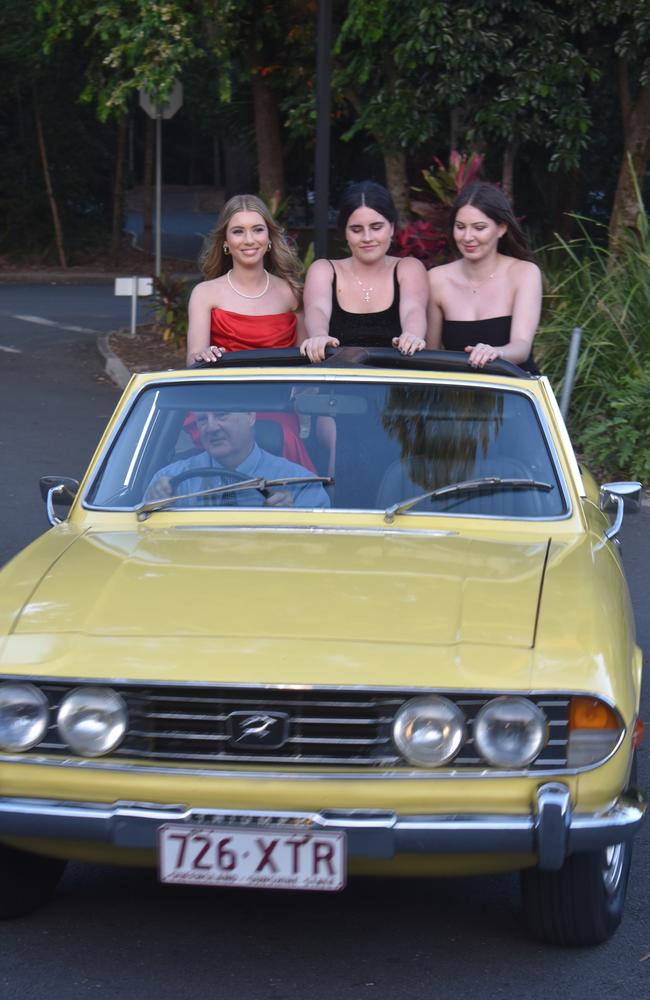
[365,291]
[245,295]
[477,288]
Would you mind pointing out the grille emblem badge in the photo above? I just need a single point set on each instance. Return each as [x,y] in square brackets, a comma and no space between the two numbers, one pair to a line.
[264,729]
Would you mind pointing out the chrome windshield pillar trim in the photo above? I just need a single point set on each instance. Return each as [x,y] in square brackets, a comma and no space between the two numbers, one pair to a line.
[550,833]
[552,825]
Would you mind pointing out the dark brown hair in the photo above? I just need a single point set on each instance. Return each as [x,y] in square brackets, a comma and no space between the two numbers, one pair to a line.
[491,200]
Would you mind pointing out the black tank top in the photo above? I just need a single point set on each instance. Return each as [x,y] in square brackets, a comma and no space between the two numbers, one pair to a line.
[375,329]
[457,334]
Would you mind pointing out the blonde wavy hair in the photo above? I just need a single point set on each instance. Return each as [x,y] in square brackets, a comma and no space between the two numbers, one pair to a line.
[281,260]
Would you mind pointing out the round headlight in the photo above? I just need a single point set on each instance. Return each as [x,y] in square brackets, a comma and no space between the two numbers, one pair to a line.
[429,731]
[510,731]
[92,720]
[24,716]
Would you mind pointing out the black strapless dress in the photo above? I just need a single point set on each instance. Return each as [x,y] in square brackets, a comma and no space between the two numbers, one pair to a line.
[457,334]
[375,329]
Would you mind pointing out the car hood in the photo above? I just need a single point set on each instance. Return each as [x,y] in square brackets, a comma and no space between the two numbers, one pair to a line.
[393,587]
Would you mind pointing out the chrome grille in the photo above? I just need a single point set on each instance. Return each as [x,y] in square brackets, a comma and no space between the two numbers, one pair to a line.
[328,727]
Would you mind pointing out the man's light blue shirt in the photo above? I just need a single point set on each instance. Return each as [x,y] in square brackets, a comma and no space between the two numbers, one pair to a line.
[258,464]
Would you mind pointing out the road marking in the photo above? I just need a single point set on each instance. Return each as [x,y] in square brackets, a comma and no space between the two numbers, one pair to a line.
[10,350]
[41,321]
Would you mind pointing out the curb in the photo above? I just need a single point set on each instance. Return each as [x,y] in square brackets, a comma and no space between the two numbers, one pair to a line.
[114,368]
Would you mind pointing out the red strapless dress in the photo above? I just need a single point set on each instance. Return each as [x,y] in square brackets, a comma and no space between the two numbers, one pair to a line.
[236,332]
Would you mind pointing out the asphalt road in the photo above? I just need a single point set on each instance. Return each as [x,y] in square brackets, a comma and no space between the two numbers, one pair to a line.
[117,933]
[183,233]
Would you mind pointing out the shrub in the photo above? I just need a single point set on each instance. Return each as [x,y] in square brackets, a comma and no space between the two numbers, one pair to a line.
[620,439]
[422,240]
[608,295]
[170,308]
[428,238]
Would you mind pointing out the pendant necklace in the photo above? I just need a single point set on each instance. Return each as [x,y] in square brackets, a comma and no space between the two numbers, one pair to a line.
[245,295]
[477,288]
[365,291]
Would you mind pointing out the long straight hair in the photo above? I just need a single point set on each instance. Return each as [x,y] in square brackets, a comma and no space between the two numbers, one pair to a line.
[281,259]
[491,200]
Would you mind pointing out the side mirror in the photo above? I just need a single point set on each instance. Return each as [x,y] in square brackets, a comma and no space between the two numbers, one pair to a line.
[619,497]
[59,490]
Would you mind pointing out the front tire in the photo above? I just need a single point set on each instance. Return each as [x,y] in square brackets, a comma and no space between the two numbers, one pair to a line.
[27,881]
[582,903]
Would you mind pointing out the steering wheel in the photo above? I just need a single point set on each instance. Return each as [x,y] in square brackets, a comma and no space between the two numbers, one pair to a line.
[227,478]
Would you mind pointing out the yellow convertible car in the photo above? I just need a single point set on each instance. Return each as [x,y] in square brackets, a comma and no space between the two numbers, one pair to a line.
[300,622]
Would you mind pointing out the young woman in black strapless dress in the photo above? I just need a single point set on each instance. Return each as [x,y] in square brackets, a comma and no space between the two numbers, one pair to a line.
[368,299]
[487,302]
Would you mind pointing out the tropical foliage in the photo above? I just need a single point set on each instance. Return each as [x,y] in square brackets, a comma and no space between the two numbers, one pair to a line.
[553,93]
[428,239]
[607,295]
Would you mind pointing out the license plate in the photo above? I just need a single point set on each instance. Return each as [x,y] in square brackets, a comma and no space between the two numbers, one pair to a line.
[279,858]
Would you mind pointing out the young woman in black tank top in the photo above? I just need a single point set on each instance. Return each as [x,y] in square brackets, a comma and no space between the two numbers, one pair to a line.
[488,302]
[368,299]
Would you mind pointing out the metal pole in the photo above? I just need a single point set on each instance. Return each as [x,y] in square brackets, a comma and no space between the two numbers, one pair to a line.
[570,371]
[322,163]
[158,189]
[134,303]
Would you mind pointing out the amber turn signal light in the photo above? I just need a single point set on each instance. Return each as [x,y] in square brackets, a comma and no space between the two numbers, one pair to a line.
[638,733]
[590,713]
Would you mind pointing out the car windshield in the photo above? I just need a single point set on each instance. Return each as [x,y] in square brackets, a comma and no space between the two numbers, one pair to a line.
[348,445]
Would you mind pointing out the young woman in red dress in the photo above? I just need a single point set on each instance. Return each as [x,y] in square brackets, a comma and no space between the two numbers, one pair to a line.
[250,299]
[252,292]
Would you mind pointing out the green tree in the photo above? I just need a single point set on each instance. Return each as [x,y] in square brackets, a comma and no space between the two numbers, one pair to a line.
[27,69]
[617,37]
[386,93]
[131,45]
[508,74]
[147,44]
[499,74]
[251,39]
[134,44]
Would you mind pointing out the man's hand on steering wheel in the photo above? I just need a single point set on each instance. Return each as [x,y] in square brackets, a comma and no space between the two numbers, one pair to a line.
[159,489]
[279,498]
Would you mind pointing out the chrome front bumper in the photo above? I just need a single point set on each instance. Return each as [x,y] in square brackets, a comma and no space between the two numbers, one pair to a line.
[551,831]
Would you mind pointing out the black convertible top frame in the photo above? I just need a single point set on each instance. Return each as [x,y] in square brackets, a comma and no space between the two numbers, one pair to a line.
[365,357]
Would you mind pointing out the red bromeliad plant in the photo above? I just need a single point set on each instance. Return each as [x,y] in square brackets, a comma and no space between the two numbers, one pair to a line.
[421,240]
[448,181]
[428,238]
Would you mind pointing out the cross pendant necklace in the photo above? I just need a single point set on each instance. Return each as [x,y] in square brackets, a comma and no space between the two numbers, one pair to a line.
[365,291]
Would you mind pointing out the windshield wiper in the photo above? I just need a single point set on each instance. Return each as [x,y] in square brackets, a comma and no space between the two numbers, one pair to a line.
[263,485]
[485,484]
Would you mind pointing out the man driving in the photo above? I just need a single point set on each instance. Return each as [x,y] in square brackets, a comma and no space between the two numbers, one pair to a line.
[231,450]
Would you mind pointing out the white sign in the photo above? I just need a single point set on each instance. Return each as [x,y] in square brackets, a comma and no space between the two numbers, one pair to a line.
[166,110]
[133,286]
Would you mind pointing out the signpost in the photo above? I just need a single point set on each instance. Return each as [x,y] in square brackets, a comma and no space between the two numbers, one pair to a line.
[159,112]
[133,287]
